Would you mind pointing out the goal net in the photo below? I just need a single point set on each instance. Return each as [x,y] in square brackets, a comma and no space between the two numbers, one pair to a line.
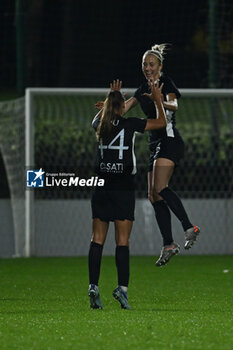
[50,131]
[12,148]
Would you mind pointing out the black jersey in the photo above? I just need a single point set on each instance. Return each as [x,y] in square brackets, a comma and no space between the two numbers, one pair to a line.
[115,153]
[148,108]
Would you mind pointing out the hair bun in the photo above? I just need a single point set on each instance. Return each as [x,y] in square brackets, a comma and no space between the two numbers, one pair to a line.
[160,48]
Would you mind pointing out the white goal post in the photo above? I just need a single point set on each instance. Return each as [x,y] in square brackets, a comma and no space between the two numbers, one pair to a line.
[29,133]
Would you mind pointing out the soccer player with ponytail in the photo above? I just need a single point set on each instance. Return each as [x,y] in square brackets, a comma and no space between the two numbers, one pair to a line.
[166,149]
[116,164]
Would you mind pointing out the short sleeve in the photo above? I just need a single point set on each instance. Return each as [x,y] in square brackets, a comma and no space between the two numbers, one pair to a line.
[170,87]
[96,123]
[137,124]
[137,94]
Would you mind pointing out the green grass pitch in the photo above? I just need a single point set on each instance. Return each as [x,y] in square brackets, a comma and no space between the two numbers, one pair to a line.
[185,305]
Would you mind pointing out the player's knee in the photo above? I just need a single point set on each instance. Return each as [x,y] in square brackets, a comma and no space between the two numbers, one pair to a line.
[158,188]
[156,196]
[98,238]
[122,241]
[151,198]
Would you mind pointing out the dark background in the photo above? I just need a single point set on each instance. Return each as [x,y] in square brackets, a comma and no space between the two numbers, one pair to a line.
[76,43]
[79,43]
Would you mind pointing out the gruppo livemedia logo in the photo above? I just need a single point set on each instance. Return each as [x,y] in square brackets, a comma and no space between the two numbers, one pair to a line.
[35,178]
[40,178]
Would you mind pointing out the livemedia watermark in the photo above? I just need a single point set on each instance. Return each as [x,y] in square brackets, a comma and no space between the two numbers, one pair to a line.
[42,179]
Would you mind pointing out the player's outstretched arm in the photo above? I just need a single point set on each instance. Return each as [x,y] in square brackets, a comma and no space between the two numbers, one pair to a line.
[156,96]
[171,104]
[115,85]
[130,103]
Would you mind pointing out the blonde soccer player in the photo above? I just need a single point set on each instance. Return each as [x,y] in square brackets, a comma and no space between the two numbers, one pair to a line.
[166,149]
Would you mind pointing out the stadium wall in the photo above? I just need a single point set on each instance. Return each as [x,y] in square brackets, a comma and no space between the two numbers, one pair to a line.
[7,248]
[54,238]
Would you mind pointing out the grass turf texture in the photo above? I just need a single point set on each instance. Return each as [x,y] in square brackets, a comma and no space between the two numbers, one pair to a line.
[185,305]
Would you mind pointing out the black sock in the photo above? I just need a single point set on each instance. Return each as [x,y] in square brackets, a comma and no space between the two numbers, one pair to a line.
[175,204]
[122,264]
[163,217]
[94,262]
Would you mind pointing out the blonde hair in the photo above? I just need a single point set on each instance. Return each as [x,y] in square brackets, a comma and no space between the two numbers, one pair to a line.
[112,107]
[157,50]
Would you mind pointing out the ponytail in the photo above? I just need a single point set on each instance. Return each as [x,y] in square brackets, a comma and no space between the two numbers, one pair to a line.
[159,50]
[112,107]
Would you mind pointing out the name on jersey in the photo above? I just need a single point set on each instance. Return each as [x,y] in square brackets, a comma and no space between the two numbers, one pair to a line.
[111,167]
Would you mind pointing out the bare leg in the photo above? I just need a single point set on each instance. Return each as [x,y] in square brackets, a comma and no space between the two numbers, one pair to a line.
[122,232]
[99,231]
[162,172]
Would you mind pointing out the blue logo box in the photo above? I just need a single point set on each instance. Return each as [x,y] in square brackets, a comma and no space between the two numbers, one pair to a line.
[35,178]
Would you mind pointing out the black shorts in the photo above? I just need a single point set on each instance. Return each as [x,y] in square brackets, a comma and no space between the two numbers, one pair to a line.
[115,201]
[170,148]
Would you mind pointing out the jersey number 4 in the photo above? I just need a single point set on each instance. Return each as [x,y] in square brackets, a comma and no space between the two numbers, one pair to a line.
[120,147]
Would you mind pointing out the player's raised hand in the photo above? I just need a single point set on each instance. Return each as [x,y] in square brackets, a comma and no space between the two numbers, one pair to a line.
[156,91]
[116,85]
[99,105]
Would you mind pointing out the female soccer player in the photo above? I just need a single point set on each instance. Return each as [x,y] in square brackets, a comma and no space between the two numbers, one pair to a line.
[166,149]
[116,164]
